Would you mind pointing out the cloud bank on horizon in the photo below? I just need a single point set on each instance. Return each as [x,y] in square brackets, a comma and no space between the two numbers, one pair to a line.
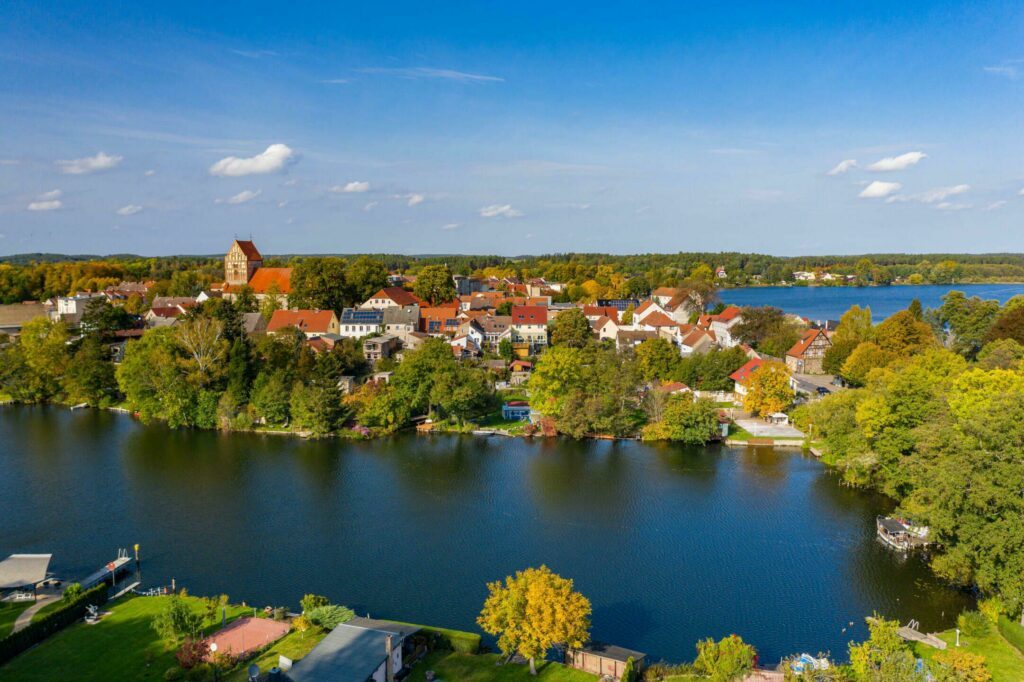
[447,130]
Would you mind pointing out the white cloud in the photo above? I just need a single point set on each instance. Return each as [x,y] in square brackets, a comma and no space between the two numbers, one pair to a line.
[1005,70]
[282,204]
[950,206]
[89,164]
[450,226]
[932,196]
[878,190]
[130,209]
[414,199]
[895,163]
[370,206]
[47,201]
[353,187]
[843,166]
[996,205]
[336,81]
[242,197]
[1021,192]
[420,72]
[150,173]
[291,183]
[500,210]
[272,159]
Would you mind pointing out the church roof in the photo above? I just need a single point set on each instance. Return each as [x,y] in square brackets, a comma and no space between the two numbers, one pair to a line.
[249,249]
[263,278]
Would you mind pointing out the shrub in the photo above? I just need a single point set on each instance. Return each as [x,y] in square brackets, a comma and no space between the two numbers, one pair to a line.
[330,616]
[174,673]
[454,640]
[37,631]
[1012,632]
[726,659]
[973,624]
[192,652]
[302,624]
[991,608]
[312,601]
[72,592]
[629,673]
[964,666]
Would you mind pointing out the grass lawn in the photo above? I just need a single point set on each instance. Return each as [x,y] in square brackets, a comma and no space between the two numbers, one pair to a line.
[9,613]
[452,667]
[737,433]
[122,646]
[294,645]
[1004,661]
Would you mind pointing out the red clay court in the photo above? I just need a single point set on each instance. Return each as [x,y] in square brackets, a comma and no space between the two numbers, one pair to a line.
[248,634]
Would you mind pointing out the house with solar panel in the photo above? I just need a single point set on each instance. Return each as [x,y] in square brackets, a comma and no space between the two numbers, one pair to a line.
[356,323]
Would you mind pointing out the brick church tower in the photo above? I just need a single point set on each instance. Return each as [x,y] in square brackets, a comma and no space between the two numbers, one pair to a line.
[241,262]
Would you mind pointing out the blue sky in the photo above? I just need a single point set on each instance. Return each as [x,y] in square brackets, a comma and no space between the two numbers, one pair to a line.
[511,128]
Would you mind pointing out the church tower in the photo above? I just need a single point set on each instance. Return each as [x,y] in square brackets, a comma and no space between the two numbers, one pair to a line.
[241,262]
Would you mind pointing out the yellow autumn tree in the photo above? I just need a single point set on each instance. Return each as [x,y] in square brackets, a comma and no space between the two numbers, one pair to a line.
[532,611]
[768,390]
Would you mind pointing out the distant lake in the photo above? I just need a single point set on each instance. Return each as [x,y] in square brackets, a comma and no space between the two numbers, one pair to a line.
[829,303]
[670,543]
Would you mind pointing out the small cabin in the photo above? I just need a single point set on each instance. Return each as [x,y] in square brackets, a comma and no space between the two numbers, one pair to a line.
[603,659]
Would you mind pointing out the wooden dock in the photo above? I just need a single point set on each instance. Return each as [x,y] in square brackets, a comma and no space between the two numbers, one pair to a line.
[910,633]
[109,572]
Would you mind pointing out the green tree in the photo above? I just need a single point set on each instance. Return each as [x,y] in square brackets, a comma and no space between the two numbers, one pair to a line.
[968,319]
[686,420]
[312,601]
[319,283]
[884,656]
[657,359]
[435,285]
[90,375]
[102,319]
[34,366]
[1009,324]
[271,398]
[1001,354]
[177,620]
[570,328]
[316,409]
[534,610]
[505,350]
[365,277]
[864,358]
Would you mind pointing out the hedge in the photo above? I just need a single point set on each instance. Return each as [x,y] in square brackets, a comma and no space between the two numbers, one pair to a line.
[36,632]
[456,640]
[1012,632]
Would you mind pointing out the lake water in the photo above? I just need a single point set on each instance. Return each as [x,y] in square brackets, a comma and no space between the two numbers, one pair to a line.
[821,303]
[671,544]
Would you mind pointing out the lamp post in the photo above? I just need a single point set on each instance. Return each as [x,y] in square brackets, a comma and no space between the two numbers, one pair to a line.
[213,652]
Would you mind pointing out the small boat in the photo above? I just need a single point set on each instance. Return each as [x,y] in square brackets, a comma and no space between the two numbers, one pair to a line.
[901,534]
[808,663]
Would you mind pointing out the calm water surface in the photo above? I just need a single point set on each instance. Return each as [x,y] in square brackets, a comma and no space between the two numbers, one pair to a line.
[820,303]
[670,544]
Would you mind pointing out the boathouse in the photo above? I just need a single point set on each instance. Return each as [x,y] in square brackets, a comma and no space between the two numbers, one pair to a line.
[603,659]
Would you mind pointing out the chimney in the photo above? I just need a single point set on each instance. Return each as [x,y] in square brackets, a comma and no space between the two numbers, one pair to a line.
[389,673]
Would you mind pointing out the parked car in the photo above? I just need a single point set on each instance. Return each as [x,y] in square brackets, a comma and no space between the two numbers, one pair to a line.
[823,391]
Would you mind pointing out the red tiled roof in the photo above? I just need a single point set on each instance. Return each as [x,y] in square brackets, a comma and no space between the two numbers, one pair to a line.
[264,278]
[743,373]
[316,321]
[529,314]
[601,310]
[399,296]
[172,311]
[801,346]
[658,319]
[249,249]
[644,306]
[664,291]
[727,314]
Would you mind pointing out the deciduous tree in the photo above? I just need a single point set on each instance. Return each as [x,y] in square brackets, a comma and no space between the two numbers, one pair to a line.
[768,389]
[434,284]
[533,611]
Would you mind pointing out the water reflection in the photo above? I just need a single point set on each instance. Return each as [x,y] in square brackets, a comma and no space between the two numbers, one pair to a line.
[670,543]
